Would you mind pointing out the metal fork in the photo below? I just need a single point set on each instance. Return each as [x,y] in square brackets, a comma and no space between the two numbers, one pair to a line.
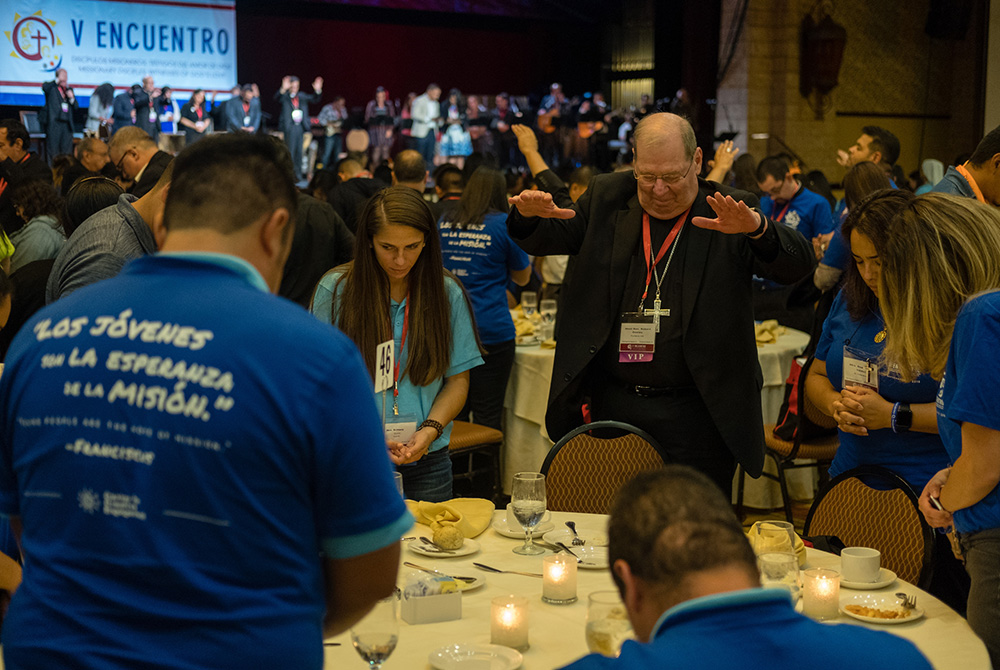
[577,542]
[909,602]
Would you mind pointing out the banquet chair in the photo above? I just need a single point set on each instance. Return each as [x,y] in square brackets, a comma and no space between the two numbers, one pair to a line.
[871,506]
[585,468]
[475,451]
[817,450]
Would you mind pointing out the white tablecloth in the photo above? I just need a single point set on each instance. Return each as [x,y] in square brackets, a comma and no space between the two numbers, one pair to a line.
[526,443]
[557,631]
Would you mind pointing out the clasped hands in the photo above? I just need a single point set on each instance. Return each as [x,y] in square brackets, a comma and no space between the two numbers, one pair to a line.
[413,450]
[859,409]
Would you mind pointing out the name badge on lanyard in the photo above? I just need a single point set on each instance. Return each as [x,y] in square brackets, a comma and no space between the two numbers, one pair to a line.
[296,116]
[638,338]
[65,107]
[152,115]
[859,369]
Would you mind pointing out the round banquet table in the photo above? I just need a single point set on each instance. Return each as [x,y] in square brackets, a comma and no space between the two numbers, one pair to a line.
[557,631]
[526,442]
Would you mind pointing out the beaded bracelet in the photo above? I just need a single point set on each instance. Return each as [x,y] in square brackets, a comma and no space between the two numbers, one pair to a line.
[436,425]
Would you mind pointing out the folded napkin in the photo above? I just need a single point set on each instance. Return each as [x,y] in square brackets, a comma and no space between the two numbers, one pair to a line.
[549,344]
[768,331]
[762,544]
[470,515]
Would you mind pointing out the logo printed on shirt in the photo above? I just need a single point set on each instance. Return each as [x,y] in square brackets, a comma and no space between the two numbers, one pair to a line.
[792,219]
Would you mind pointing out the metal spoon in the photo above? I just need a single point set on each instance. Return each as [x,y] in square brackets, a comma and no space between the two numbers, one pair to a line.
[577,542]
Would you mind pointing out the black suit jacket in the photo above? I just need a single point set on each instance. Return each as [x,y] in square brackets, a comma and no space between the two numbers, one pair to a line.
[53,106]
[716,311]
[321,242]
[157,164]
[121,112]
[142,109]
[285,120]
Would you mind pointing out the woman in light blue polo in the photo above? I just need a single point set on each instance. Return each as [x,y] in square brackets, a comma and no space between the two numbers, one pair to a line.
[396,288]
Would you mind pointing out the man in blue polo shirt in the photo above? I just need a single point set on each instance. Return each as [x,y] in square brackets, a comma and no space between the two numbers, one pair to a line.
[197,465]
[690,585]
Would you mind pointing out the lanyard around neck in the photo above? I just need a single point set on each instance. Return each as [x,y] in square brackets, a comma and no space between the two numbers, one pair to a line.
[647,246]
[395,374]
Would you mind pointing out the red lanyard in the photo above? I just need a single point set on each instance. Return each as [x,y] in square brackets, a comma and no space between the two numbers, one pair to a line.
[295,102]
[779,217]
[647,246]
[197,110]
[246,108]
[395,376]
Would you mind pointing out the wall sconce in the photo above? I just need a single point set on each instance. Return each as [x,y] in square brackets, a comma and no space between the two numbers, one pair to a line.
[820,56]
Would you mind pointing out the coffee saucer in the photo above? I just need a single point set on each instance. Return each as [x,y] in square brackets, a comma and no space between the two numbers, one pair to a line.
[885,577]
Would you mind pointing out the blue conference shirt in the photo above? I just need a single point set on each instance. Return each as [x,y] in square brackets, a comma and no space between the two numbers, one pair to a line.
[970,391]
[807,212]
[183,449]
[914,456]
[415,402]
[482,257]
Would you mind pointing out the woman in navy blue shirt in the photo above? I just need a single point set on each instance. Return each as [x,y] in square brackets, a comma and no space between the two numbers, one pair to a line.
[478,250]
[941,295]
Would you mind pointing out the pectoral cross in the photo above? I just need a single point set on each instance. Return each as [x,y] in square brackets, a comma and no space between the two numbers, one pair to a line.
[656,313]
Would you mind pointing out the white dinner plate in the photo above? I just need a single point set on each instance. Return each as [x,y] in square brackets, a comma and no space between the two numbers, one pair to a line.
[500,526]
[594,558]
[885,577]
[594,538]
[417,546]
[885,602]
[458,655]
[526,340]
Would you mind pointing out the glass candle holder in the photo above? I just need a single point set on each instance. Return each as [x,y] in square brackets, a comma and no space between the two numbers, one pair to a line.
[559,579]
[509,622]
[821,593]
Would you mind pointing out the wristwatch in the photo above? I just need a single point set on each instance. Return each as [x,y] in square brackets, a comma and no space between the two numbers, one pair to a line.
[760,228]
[902,417]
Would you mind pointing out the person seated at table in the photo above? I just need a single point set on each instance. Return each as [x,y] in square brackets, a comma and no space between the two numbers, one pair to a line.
[397,264]
[946,249]
[476,247]
[691,588]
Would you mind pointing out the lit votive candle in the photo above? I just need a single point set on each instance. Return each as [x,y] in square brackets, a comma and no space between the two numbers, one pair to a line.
[509,622]
[821,593]
[559,579]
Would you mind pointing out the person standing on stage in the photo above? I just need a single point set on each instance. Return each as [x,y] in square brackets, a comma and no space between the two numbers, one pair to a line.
[146,115]
[426,113]
[294,119]
[661,335]
[60,105]
[194,119]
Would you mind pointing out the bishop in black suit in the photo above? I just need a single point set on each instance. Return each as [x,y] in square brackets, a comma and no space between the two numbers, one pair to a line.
[699,396]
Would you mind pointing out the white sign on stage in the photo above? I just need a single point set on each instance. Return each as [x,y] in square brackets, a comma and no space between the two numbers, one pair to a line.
[185,44]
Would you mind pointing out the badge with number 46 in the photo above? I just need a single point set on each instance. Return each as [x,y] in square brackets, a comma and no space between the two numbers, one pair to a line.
[384,366]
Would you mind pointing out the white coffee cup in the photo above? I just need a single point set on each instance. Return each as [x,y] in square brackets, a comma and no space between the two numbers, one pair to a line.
[512,520]
[860,565]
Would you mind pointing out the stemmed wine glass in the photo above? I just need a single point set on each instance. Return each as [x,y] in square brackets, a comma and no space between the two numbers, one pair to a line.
[529,303]
[528,504]
[375,636]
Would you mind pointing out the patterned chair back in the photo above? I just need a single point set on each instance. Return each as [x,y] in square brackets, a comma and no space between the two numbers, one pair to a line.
[583,471]
[884,518]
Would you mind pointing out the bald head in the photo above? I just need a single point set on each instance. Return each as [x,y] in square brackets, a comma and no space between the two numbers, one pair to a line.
[348,169]
[663,128]
[410,169]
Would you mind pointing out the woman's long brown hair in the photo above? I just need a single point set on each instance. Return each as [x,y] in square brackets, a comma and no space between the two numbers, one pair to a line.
[363,310]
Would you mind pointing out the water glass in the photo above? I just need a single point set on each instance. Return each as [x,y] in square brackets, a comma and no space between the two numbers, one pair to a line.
[375,636]
[608,625]
[548,311]
[527,502]
[780,570]
[529,303]
[774,536]
[399,483]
